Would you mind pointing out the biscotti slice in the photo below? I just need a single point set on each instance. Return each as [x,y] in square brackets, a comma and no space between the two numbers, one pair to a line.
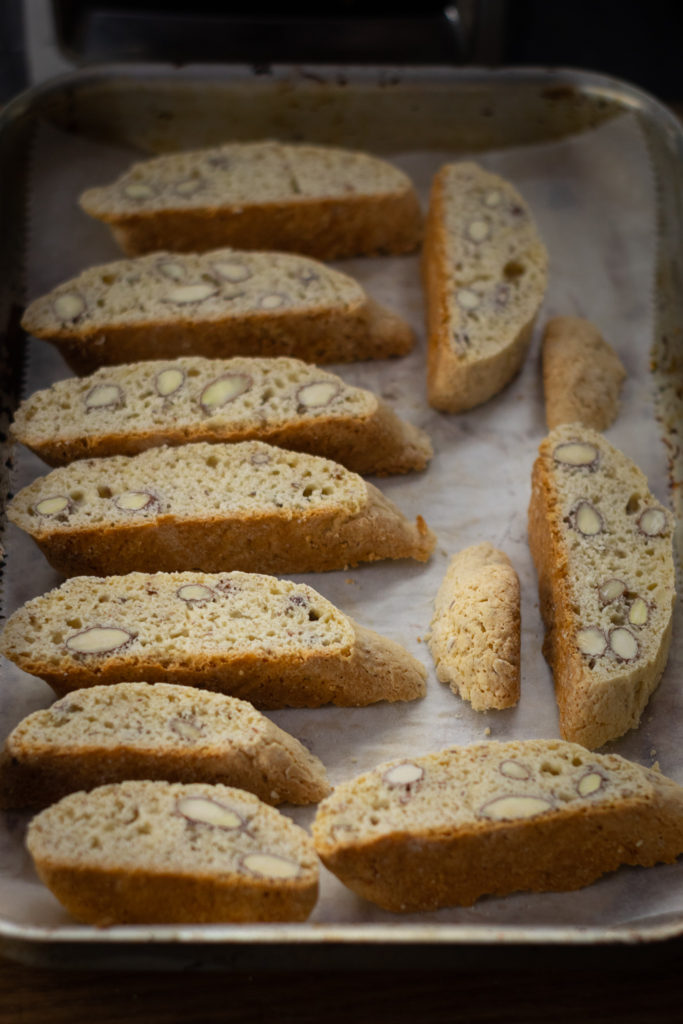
[220,304]
[107,734]
[269,641]
[602,544]
[492,819]
[126,409]
[151,852]
[485,269]
[319,200]
[475,632]
[213,507]
[582,374]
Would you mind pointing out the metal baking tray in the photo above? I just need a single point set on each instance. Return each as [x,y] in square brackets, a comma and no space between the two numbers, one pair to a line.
[157,108]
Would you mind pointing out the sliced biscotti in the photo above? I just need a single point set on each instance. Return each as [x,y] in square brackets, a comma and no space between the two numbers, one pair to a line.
[485,270]
[582,374]
[495,818]
[475,632]
[602,544]
[157,852]
[269,641]
[319,200]
[126,409]
[213,507]
[107,734]
[220,304]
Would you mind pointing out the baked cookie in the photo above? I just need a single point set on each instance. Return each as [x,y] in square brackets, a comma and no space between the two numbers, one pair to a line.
[126,409]
[582,374]
[475,632]
[220,304]
[602,544]
[213,507]
[150,852]
[272,642]
[492,819]
[485,271]
[319,200]
[178,733]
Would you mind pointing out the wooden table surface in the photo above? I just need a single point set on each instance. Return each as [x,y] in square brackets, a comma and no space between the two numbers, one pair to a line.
[588,996]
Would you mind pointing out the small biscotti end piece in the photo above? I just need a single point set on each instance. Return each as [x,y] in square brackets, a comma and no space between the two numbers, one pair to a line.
[475,633]
[106,734]
[495,818]
[602,545]
[319,200]
[582,374]
[147,852]
[485,273]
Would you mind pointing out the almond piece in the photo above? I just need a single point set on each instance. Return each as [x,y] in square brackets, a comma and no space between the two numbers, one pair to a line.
[139,190]
[317,393]
[586,519]
[194,593]
[68,306]
[53,506]
[590,783]
[623,643]
[273,300]
[104,396]
[576,453]
[638,613]
[174,271]
[611,589]
[169,381]
[189,293]
[591,642]
[232,270]
[135,501]
[509,808]
[186,729]
[99,640]
[203,811]
[467,299]
[270,865]
[478,231]
[403,774]
[514,770]
[223,390]
[653,522]
[188,187]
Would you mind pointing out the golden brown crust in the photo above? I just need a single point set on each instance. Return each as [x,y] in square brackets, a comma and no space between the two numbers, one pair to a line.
[582,374]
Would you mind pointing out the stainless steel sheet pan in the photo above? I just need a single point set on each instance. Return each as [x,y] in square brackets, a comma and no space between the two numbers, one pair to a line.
[625,151]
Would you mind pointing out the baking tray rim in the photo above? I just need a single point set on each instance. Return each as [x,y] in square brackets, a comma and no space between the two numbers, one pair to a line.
[628,96]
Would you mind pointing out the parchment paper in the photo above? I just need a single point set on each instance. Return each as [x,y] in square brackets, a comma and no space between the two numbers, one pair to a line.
[594,199]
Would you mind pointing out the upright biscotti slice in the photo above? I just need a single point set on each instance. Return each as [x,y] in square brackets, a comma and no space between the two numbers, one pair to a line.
[214,507]
[107,734]
[582,374]
[485,270]
[220,304]
[269,641]
[493,819]
[475,634]
[602,544]
[319,200]
[124,410]
[146,852]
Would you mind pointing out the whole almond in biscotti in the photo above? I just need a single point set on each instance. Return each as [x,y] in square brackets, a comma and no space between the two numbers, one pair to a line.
[213,507]
[272,642]
[602,544]
[126,409]
[495,818]
[475,633]
[323,201]
[146,852]
[485,271]
[134,730]
[582,374]
[219,304]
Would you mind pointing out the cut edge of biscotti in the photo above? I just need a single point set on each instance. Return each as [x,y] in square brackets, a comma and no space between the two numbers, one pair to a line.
[126,409]
[273,642]
[484,266]
[603,548]
[105,734]
[216,304]
[494,818]
[148,851]
[215,507]
[324,201]
[475,635]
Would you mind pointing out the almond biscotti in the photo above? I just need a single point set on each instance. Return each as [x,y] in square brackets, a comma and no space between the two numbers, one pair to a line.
[602,544]
[126,409]
[213,507]
[107,734]
[319,200]
[476,629]
[272,642]
[495,818]
[147,852]
[220,304]
[485,271]
[582,374]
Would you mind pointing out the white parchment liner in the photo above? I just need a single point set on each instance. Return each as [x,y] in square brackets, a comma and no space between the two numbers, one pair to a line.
[594,199]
